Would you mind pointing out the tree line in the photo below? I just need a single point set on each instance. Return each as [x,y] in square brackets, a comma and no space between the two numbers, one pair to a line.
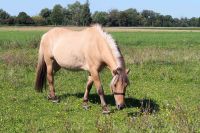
[78,14]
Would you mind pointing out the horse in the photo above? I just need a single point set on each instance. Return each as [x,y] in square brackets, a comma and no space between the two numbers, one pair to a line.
[90,49]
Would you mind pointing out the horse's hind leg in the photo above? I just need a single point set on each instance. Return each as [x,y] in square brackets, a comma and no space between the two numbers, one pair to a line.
[87,91]
[56,67]
[50,79]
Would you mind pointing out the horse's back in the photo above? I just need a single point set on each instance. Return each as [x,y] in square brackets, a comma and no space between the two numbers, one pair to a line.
[69,48]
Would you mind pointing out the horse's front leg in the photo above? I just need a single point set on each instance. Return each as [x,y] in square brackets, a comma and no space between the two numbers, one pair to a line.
[100,91]
[87,91]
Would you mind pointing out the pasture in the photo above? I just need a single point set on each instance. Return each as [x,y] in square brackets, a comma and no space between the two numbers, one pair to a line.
[163,95]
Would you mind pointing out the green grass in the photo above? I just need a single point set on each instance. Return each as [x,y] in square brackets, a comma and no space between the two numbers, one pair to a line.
[19,39]
[163,95]
[167,28]
[158,39]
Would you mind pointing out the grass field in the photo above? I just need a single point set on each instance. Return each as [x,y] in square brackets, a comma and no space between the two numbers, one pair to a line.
[163,95]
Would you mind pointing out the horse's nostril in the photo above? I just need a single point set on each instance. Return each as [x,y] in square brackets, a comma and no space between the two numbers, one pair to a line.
[121,106]
[118,107]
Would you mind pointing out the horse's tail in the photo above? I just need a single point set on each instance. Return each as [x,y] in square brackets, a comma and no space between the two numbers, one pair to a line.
[41,71]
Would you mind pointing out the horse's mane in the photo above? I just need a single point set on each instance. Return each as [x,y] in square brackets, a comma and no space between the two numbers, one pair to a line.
[111,42]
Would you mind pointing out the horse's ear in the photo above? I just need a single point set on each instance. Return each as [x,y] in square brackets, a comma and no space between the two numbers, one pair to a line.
[127,71]
[117,71]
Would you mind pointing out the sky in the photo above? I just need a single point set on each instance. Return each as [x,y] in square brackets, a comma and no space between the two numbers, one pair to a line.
[175,8]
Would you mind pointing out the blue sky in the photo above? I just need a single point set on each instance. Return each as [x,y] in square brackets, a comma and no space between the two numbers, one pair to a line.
[176,8]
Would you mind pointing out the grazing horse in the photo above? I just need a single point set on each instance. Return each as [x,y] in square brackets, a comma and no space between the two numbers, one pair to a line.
[90,49]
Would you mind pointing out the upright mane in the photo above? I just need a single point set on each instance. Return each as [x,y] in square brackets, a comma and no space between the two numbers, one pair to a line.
[112,44]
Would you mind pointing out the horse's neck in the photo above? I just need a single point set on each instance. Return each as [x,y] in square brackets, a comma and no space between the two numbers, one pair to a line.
[113,61]
[111,54]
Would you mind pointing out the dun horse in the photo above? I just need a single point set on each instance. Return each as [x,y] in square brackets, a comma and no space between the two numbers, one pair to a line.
[91,49]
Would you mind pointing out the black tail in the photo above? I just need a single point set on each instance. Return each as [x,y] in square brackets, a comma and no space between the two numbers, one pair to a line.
[41,73]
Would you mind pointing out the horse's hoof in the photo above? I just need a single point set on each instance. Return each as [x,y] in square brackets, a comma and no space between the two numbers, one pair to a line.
[105,110]
[53,99]
[86,106]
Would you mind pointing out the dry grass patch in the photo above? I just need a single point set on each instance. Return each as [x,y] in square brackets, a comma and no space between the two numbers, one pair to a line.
[20,57]
[162,55]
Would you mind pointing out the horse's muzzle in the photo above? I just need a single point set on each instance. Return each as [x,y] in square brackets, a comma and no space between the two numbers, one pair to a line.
[121,106]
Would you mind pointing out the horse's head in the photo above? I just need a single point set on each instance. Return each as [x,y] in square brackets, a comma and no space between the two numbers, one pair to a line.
[118,86]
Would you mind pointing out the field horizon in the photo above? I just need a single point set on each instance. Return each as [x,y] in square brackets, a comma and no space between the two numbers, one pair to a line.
[107,29]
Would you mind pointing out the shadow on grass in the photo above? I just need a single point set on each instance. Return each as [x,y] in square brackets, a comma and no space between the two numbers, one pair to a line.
[146,106]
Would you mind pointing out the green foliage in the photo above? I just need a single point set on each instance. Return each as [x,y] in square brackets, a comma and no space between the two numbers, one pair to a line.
[86,15]
[113,18]
[4,14]
[38,20]
[75,12]
[78,14]
[4,17]
[100,17]
[132,17]
[199,22]
[46,14]
[57,15]
[24,19]
[163,95]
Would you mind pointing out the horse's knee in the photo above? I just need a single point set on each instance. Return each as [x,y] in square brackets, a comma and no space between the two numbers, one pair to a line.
[89,82]
[90,78]
[100,91]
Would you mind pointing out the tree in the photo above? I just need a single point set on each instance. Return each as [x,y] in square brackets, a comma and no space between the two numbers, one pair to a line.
[100,17]
[199,22]
[38,20]
[183,22]
[57,15]
[67,17]
[176,22]
[132,17]
[46,14]
[75,11]
[150,16]
[86,15]
[123,19]
[4,16]
[79,14]
[113,18]
[142,21]
[24,19]
[193,22]
[168,20]
[11,21]
[158,22]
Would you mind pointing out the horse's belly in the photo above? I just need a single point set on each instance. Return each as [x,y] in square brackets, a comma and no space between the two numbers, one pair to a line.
[71,62]
[69,54]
